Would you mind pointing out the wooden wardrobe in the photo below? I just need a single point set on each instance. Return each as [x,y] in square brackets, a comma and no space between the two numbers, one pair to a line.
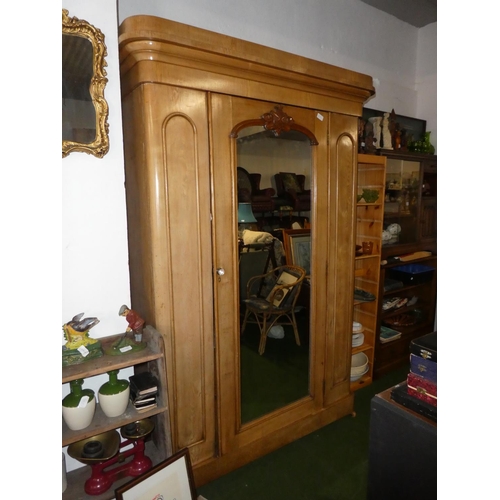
[184,91]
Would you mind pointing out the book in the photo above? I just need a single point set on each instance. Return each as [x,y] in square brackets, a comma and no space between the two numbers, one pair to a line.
[134,396]
[388,334]
[143,383]
[143,402]
[147,407]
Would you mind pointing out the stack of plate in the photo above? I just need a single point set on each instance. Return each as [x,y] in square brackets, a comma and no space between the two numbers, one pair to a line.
[357,334]
[357,327]
[358,339]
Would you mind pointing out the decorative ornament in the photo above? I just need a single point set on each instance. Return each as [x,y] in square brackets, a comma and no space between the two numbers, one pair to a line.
[79,346]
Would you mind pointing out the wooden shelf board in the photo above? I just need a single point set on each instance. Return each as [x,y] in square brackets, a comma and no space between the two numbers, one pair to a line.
[100,423]
[362,382]
[108,362]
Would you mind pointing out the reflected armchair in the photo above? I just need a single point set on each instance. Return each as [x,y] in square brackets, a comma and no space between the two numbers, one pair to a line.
[290,187]
[249,191]
[271,299]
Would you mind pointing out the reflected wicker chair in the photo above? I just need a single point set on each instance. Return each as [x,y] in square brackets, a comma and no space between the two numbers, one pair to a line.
[271,299]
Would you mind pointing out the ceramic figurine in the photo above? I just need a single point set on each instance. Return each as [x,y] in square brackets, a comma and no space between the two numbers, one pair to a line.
[135,322]
[386,133]
[125,344]
[376,121]
[79,346]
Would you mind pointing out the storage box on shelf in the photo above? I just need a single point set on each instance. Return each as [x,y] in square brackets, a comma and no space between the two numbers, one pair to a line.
[158,445]
[369,219]
[414,318]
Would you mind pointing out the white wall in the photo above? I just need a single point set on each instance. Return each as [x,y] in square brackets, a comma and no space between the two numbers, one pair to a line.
[426,78]
[95,276]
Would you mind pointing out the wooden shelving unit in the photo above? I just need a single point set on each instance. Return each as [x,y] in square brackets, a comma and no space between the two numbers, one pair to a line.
[158,444]
[369,220]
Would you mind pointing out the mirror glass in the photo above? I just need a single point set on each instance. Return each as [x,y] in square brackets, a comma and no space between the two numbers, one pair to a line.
[78,111]
[84,108]
[280,375]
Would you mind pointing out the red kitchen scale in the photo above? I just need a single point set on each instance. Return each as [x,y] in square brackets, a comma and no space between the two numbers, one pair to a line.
[104,450]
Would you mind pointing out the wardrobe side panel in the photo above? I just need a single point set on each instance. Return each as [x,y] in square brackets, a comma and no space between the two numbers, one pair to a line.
[176,264]
[343,154]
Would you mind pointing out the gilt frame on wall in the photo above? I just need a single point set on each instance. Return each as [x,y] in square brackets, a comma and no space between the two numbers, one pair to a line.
[91,86]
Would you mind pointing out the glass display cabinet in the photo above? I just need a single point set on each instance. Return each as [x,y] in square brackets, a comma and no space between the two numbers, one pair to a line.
[410,208]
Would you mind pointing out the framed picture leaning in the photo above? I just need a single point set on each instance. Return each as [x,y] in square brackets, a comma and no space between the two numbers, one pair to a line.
[169,480]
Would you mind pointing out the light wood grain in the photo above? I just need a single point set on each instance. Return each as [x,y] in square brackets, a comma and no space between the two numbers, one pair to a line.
[184,90]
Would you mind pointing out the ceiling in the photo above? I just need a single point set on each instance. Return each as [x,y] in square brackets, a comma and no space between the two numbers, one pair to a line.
[418,13]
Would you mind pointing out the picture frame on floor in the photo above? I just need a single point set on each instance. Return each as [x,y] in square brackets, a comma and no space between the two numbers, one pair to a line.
[169,480]
[297,246]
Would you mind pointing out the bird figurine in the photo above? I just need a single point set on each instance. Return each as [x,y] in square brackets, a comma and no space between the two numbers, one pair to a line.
[76,331]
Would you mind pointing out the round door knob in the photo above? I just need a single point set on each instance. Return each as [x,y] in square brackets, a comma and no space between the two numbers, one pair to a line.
[220,271]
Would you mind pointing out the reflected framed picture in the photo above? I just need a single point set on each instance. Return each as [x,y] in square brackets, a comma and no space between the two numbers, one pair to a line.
[171,479]
[297,245]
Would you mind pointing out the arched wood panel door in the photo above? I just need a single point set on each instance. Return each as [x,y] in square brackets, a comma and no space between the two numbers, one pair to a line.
[168,204]
[240,439]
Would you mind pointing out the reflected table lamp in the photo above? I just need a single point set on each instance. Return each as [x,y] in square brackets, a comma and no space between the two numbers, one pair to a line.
[246,218]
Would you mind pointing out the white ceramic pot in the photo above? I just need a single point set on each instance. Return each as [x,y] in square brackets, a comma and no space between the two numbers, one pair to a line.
[114,405]
[79,417]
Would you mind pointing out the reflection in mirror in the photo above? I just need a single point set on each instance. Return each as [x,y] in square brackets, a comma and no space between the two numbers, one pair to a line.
[84,109]
[78,112]
[274,370]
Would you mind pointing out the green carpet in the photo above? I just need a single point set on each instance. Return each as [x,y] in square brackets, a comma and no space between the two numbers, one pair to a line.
[276,378]
[328,464]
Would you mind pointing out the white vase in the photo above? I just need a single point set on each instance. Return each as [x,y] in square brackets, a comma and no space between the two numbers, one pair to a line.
[78,407]
[114,395]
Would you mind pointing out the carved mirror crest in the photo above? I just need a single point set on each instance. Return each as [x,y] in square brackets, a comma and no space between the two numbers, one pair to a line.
[84,110]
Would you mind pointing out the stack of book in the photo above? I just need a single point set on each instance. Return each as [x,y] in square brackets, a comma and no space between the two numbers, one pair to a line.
[419,391]
[422,379]
[143,391]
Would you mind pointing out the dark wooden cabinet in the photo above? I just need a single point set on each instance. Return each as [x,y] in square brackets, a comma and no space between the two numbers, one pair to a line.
[410,225]
[395,353]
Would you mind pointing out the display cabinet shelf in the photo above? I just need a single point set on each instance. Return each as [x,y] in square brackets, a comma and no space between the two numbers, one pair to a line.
[369,223]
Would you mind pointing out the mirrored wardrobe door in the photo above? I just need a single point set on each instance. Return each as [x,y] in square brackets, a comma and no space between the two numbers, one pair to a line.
[268,377]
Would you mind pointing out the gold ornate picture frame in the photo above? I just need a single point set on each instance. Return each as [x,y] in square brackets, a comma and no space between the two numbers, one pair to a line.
[83,82]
